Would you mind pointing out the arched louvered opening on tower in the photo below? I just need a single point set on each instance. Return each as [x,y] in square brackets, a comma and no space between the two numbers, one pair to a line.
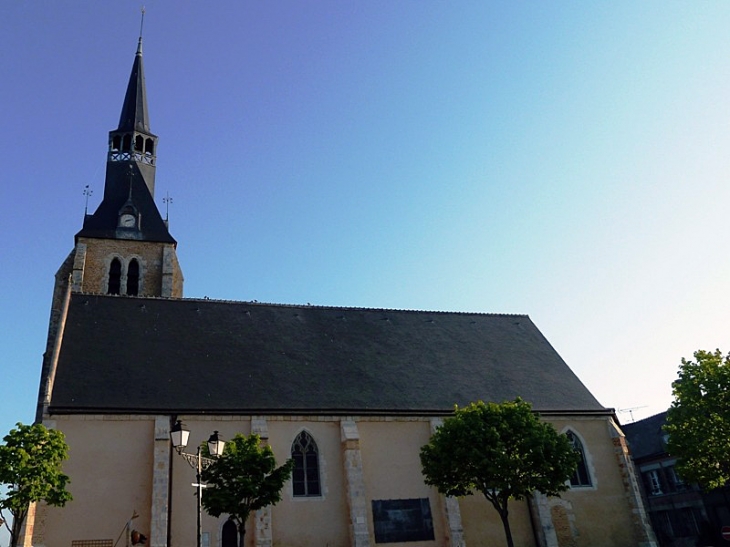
[305,478]
[127,143]
[115,277]
[133,278]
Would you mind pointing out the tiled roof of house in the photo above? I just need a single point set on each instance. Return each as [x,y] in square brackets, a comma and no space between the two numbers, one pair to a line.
[646,437]
[128,355]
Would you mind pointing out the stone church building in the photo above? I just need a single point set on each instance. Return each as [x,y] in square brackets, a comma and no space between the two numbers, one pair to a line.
[352,394]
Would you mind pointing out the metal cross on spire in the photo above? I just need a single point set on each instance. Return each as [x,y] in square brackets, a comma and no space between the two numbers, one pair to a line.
[87,192]
[141,24]
[167,200]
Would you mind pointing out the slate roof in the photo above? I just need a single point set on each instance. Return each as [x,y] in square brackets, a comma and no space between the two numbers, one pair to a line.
[135,116]
[103,222]
[127,355]
[645,437]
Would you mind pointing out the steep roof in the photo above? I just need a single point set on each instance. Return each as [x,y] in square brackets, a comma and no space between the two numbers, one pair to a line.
[134,116]
[127,355]
[646,437]
[103,222]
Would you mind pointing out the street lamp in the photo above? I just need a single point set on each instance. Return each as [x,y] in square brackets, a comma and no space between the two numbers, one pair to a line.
[179,436]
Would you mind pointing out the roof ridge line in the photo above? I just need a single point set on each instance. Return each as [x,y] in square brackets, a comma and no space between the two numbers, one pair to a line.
[312,306]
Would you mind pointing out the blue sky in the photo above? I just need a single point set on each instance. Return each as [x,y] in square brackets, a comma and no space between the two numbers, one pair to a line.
[564,160]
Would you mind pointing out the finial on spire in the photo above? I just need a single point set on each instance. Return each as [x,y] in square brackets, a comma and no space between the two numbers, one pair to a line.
[167,201]
[131,176]
[141,27]
[87,192]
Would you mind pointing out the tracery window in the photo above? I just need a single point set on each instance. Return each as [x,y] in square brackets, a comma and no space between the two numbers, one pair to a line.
[305,478]
[581,477]
[115,276]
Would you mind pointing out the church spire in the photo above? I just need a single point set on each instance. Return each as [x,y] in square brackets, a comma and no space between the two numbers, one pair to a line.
[128,209]
[133,142]
[134,115]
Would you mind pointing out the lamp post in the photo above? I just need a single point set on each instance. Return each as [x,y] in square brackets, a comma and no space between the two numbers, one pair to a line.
[179,436]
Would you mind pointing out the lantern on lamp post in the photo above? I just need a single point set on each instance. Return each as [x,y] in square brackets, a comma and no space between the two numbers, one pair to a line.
[179,435]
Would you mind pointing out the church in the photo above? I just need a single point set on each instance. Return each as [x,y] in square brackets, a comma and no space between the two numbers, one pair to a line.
[350,393]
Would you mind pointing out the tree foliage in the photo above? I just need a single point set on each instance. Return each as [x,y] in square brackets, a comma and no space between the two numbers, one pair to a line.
[244,479]
[30,470]
[503,451]
[698,421]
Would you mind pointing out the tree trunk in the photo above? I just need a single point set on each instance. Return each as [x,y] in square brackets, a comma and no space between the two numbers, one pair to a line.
[16,526]
[242,534]
[507,532]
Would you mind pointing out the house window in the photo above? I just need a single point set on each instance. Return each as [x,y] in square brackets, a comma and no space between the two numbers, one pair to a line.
[115,277]
[676,482]
[133,278]
[395,521]
[654,483]
[581,477]
[305,478]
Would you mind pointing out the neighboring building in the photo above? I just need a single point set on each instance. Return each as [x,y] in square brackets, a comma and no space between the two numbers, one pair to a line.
[681,513]
[352,394]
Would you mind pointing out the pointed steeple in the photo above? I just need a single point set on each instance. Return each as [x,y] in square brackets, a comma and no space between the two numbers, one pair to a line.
[134,110]
[132,141]
[128,209]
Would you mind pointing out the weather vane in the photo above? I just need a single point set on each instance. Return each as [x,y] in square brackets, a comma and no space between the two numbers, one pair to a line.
[87,192]
[167,200]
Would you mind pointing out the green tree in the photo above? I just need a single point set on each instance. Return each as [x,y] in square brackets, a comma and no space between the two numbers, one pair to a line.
[698,421]
[244,479]
[503,451]
[30,470]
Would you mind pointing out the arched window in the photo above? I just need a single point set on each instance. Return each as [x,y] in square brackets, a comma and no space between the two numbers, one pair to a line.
[127,142]
[229,534]
[133,278]
[149,147]
[581,477]
[116,142]
[305,478]
[139,143]
[115,276]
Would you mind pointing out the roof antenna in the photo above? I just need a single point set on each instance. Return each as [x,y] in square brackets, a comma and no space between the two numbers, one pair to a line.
[141,26]
[87,192]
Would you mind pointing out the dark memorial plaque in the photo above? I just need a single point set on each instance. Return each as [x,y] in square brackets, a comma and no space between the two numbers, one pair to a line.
[402,520]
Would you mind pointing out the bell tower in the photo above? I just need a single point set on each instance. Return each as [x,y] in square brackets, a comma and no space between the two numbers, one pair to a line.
[124,247]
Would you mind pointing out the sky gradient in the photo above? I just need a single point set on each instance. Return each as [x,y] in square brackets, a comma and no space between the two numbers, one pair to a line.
[566,160]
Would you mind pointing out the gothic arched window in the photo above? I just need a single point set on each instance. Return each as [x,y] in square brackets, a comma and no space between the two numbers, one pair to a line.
[229,534]
[305,478]
[115,276]
[581,477]
[127,143]
[133,278]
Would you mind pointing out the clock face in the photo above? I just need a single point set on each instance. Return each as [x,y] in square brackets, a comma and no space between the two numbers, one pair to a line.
[127,221]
